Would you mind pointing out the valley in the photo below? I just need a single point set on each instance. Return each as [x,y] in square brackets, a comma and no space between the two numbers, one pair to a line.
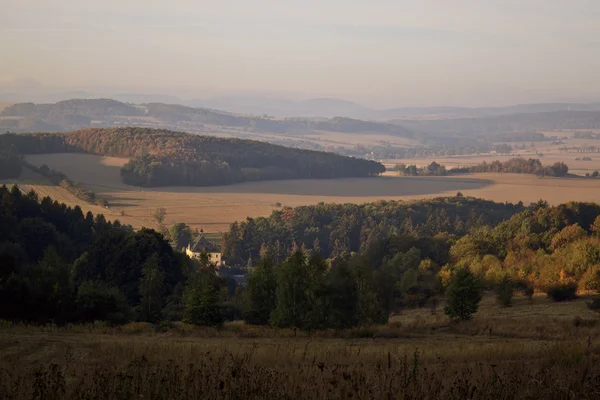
[215,208]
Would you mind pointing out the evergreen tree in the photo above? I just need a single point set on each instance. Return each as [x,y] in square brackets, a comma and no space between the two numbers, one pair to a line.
[463,295]
[201,300]
[260,295]
[151,291]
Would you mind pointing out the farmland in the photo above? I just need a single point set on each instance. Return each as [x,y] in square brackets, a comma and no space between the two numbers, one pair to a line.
[538,350]
[214,208]
[551,152]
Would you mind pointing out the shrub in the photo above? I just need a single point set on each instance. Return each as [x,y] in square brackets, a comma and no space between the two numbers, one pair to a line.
[562,292]
[463,295]
[594,305]
[504,292]
[97,301]
[528,292]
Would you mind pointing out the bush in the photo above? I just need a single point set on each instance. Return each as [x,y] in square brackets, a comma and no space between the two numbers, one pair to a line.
[562,292]
[528,292]
[97,301]
[594,305]
[504,292]
[463,295]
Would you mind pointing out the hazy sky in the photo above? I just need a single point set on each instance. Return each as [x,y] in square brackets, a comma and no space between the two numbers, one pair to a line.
[379,52]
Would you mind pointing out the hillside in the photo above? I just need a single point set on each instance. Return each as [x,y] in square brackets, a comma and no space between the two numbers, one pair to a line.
[488,125]
[165,158]
[83,113]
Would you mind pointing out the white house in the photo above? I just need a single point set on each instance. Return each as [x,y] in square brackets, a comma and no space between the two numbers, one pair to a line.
[202,245]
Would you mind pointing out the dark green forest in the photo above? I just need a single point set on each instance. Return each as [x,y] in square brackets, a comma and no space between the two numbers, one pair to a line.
[165,158]
[59,265]
[337,230]
[325,266]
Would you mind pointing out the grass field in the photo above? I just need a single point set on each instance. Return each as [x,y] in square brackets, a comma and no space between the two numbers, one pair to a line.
[551,154]
[214,208]
[528,351]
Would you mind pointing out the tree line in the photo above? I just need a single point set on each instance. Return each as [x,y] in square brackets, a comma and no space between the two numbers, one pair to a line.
[517,166]
[433,169]
[337,230]
[553,250]
[163,158]
[59,265]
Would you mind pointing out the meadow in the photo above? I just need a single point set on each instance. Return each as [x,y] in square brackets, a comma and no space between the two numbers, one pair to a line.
[214,208]
[530,350]
[551,152]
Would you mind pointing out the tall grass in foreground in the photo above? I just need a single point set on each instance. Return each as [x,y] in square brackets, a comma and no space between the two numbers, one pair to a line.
[220,373]
[540,351]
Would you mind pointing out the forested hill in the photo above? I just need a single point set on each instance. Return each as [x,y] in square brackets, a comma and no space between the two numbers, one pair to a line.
[165,158]
[337,230]
[73,114]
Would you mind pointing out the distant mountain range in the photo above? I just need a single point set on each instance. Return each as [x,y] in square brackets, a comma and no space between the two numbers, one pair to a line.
[319,107]
[428,125]
[83,113]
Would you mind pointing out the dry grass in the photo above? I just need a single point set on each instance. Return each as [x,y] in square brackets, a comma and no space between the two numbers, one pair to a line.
[214,208]
[418,356]
[551,154]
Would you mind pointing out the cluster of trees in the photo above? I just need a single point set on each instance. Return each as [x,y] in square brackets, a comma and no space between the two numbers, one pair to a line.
[10,163]
[59,265]
[337,230]
[324,266]
[433,169]
[60,179]
[518,166]
[545,248]
[302,292]
[163,158]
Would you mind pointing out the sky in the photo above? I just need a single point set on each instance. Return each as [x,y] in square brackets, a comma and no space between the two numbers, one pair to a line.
[383,53]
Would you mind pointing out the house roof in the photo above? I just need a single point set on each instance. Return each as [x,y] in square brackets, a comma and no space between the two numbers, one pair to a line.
[202,244]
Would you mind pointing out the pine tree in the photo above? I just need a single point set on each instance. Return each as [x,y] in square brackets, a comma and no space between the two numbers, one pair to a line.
[201,299]
[463,295]
[260,295]
[151,291]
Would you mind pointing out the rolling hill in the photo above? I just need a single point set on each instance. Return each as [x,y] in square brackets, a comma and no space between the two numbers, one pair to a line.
[166,158]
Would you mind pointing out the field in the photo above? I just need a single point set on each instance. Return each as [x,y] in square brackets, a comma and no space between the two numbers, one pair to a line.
[551,153]
[214,208]
[528,351]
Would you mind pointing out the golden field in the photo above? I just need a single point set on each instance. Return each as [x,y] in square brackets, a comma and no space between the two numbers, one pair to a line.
[214,208]
[528,351]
